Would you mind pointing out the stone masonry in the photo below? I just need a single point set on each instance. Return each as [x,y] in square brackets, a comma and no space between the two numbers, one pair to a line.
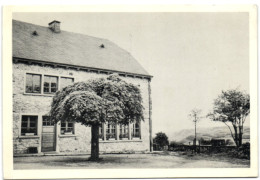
[39,104]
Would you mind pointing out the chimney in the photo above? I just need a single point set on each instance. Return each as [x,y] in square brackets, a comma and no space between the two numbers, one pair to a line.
[55,26]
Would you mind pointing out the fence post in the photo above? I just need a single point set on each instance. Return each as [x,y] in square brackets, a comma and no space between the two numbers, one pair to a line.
[199,146]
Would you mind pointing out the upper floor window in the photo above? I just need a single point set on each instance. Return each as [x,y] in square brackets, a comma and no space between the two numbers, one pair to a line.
[67,128]
[29,125]
[50,84]
[47,84]
[65,81]
[33,83]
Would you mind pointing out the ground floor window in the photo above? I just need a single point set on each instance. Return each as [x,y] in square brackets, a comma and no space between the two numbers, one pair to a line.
[124,131]
[29,125]
[109,131]
[67,128]
[136,130]
[101,132]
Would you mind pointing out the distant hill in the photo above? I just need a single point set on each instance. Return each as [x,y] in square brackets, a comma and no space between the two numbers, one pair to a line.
[187,135]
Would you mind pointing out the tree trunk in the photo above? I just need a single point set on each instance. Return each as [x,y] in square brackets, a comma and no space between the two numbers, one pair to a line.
[236,136]
[94,142]
[240,136]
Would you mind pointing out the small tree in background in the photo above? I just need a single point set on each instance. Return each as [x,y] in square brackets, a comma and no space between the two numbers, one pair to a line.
[161,139]
[232,107]
[97,101]
[195,116]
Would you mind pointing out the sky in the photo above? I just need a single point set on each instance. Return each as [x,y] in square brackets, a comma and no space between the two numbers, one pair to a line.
[191,56]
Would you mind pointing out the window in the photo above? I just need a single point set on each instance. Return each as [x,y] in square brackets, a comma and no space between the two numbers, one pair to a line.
[33,83]
[29,125]
[110,131]
[50,84]
[136,130]
[65,81]
[45,84]
[46,121]
[67,128]
[101,130]
[123,132]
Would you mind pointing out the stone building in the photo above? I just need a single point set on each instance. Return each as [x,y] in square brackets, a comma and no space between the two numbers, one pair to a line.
[45,59]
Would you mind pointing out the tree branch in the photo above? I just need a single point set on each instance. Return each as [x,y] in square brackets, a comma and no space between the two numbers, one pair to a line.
[229,129]
[243,119]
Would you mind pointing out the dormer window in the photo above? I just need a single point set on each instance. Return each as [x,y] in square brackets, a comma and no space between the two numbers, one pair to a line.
[35,33]
[55,26]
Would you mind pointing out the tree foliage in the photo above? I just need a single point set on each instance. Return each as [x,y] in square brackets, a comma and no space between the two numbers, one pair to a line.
[195,115]
[96,101]
[161,139]
[232,107]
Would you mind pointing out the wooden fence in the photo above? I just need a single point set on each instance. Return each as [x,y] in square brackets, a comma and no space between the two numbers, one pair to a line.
[202,148]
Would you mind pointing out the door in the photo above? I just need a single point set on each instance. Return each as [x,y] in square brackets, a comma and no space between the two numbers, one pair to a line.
[48,134]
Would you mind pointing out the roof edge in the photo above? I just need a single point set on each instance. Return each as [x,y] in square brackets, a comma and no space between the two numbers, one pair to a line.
[127,74]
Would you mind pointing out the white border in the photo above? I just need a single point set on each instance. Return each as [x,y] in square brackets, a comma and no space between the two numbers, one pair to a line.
[126,173]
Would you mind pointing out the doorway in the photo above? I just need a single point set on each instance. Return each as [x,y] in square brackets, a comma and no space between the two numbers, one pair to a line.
[48,134]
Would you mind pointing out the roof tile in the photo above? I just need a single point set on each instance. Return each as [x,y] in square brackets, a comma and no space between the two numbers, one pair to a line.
[71,48]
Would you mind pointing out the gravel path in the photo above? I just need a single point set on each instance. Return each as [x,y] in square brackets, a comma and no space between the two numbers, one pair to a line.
[155,160]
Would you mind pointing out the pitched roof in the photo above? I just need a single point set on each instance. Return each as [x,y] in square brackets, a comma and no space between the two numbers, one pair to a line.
[71,48]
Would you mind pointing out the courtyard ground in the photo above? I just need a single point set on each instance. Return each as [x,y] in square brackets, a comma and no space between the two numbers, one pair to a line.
[153,160]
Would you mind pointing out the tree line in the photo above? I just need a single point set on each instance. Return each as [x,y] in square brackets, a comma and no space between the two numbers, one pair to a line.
[231,107]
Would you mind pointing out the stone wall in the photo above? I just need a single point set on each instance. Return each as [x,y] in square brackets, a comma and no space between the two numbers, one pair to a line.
[33,104]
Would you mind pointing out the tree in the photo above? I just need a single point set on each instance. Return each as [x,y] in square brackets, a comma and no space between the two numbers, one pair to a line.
[232,107]
[195,117]
[161,139]
[97,101]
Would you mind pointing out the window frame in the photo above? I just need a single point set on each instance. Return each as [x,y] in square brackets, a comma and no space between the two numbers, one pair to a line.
[47,122]
[133,130]
[25,83]
[103,136]
[42,82]
[50,83]
[36,125]
[101,132]
[66,127]
[123,128]
[111,128]
[64,77]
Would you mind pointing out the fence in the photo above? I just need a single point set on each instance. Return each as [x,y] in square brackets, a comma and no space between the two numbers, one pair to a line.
[241,152]
[202,148]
